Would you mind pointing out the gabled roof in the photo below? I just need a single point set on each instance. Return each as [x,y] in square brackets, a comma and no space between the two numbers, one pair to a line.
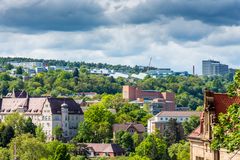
[105,148]
[196,134]
[124,127]
[73,107]
[34,105]
[17,94]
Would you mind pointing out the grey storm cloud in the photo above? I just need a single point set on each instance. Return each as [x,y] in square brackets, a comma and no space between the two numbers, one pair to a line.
[53,15]
[83,15]
[223,12]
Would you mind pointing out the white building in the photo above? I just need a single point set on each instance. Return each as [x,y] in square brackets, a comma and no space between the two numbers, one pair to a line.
[45,111]
[30,65]
[159,121]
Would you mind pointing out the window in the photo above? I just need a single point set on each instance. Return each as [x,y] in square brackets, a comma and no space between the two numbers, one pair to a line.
[199,158]
[161,119]
[107,154]
[166,119]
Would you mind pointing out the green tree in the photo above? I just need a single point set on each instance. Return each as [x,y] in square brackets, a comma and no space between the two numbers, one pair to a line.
[76,73]
[152,147]
[6,134]
[40,135]
[172,133]
[85,133]
[8,66]
[27,147]
[179,151]
[19,70]
[199,108]
[57,132]
[124,139]
[51,148]
[4,154]
[136,139]
[99,120]
[61,153]
[226,132]
[29,127]
[17,122]
[137,157]
[190,124]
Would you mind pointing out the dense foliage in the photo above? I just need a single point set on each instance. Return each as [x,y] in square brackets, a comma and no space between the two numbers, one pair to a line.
[179,151]
[189,125]
[189,89]
[227,131]
[120,68]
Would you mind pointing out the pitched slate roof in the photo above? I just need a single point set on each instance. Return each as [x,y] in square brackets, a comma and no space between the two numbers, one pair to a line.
[124,127]
[73,107]
[17,94]
[105,148]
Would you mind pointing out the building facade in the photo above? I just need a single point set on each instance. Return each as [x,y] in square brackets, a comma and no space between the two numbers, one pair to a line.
[200,139]
[157,101]
[159,121]
[103,150]
[128,127]
[47,112]
[213,68]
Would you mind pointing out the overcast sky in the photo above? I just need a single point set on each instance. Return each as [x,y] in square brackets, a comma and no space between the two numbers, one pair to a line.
[175,33]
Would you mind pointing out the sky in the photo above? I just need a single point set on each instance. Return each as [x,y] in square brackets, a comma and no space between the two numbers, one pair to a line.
[175,33]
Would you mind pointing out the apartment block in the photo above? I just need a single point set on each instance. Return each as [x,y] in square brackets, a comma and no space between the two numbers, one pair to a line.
[213,68]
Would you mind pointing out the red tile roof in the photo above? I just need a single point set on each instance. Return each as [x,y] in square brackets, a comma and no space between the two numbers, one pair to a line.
[223,101]
[195,133]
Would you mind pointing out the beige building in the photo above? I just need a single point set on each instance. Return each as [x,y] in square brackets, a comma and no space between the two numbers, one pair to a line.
[159,121]
[200,138]
[47,112]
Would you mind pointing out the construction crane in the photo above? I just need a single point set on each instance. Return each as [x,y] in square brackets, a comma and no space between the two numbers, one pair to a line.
[149,65]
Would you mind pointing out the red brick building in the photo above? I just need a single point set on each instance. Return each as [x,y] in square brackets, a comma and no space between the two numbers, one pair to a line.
[158,101]
[133,93]
[200,139]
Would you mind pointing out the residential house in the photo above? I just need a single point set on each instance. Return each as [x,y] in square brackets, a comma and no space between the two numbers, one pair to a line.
[103,150]
[129,127]
[200,139]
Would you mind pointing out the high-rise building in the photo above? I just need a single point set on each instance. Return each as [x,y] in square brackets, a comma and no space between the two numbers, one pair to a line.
[213,68]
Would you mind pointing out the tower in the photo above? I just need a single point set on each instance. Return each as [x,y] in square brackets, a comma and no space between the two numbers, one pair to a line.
[65,122]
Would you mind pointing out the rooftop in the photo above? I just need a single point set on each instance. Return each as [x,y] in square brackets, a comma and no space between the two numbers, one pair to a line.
[178,114]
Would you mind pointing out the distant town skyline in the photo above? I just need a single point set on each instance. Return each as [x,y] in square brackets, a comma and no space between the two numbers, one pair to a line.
[176,34]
